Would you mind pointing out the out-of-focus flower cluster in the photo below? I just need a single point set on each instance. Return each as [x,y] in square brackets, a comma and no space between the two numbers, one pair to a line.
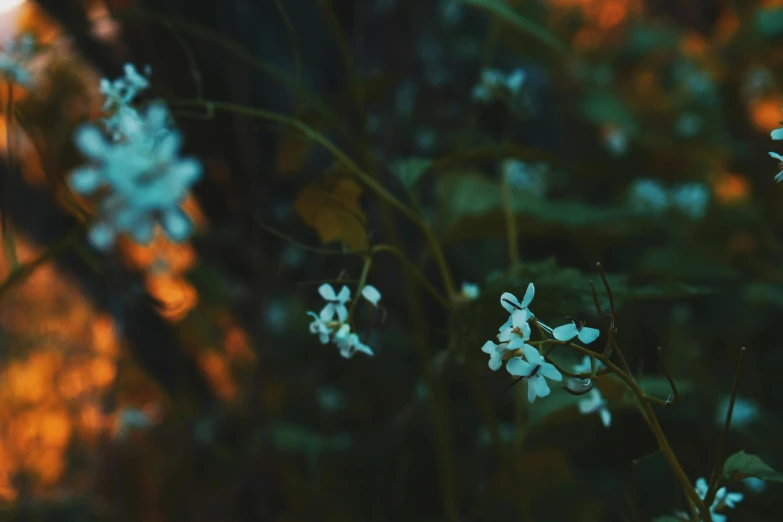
[339,331]
[137,174]
[15,56]
[510,88]
[650,196]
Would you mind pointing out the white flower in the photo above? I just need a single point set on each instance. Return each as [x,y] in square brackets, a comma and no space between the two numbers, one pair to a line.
[518,332]
[568,331]
[372,294]
[779,175]
[470,291]
[14,58]
[123,90]
[349,342]
[535,370]
[495,352]
[525,177]
[336,303]
[692,199]
[593,402]
[584,366]
[722,500]
[510,303]
[648,195]
[141,180]
[320,327]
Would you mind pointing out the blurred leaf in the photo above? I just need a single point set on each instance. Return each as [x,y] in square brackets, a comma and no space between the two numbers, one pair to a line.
[289,437]
[769,21]
[605,107]
[292,153]
[408,171]
[667,518]
[742,465]
[508,15]
[544,467]
[332,207]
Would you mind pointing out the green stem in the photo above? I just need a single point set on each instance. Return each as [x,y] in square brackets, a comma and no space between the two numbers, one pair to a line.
[349,164]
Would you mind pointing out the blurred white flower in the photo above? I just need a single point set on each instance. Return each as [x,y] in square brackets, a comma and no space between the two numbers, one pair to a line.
[141,180]
[120,92]
[320,328]
[594,402]
[692,199]
[525,177]
[745,412]
[470,291]
[585,367]
[648,195]
[15,57]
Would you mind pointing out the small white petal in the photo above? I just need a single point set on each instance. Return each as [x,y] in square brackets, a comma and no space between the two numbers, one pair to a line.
[531,392]
[776,156]
[177,225]
[345,295]
[489,347]
[565,332]
[529,294]
[86,180]
[549,371]
[531,354]
[143,231]
[328,312]
[372,294]
[506,325]
[519,319]
[518,367]
[327,292]
[342,312]
[606,417]
[777,134]
[540,385]
[91,142]
[510,302]
[102,236]
[587,335]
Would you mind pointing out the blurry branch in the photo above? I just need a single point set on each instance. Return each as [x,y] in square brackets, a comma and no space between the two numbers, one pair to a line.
[21,272]
[9,181]
[297,55]
[247,57]
[380,191]
[717,468]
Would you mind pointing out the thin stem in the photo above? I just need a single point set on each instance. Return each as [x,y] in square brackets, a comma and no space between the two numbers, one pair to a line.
[718,466]
[9,240]
[415,272]
[675,394]
[362,282]
[608,293]
[350,165]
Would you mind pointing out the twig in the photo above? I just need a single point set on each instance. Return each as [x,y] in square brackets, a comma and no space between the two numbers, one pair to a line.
[718,467]
[676,395]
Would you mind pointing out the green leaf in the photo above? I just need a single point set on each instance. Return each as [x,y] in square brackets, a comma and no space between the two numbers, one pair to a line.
[769,21]
[742,465]
[505,13]
[409,170]
[667,518]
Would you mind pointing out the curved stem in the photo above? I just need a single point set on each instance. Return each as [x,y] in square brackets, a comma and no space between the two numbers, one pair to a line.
[349,164]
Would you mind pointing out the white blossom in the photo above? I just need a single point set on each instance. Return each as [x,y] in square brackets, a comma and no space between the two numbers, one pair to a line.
[320,327]
[517,333]
[594,402]
[568,331]
[510,303]
[141,180]
[336,302]
[495,352]
[349,343]
[121,91]
[470,291]
[585,365]
[372,294]
[535,370]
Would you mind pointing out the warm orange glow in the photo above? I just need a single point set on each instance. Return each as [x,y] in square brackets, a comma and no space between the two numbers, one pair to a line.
[694,45]
[218,373]
[731,188]
[176,294]
[766,113]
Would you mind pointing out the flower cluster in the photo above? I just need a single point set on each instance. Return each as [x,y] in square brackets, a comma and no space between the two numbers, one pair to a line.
[530,178]
[723,499]
[524,360]
[14,58]
[338,331]
[650,196]
[138,176]
[510,88]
